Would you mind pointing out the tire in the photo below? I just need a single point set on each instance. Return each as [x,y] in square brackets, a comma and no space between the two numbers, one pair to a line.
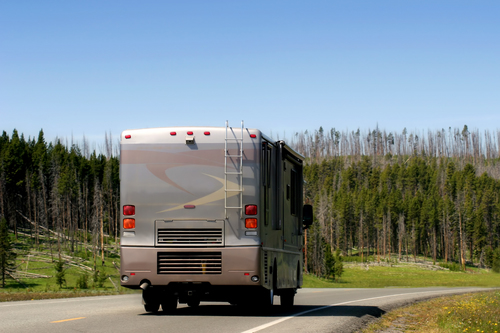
[150,301]
[169,303]
[267,297]
[193,303]
[287,298]
[152,307]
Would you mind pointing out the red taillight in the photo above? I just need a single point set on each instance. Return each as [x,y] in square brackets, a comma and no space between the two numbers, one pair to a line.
[128,136]
[251,209]
[173,133]
[128,223]
[251,223]
[189,206]
[190,132]
[206,133]
[128,210]
[253,136]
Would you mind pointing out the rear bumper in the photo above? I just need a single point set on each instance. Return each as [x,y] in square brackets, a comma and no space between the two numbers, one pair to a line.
[238,265]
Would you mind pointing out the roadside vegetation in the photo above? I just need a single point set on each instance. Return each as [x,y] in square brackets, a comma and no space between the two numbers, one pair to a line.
[382,275]
[40,274]
[410,194]
[477,312]
[391,209]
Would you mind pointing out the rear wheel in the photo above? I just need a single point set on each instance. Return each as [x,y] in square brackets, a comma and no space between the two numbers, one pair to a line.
[150,300]
[267,297]
[152,307]
[287,298]
[169,303]
[193,303]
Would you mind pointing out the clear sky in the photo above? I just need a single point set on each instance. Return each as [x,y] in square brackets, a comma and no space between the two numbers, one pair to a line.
[89,67]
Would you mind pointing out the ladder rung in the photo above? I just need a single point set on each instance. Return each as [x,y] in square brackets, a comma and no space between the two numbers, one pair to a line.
[234,173]
[234,190]
[235,207]
[234,139]
[234,155]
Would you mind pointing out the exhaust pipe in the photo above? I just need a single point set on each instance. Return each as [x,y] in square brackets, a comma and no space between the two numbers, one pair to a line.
[144,286]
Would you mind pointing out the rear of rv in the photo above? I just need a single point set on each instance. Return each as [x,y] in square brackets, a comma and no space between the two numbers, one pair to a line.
[190,214]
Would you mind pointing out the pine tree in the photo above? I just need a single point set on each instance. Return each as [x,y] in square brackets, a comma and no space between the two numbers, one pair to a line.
[7,255]
[61,273]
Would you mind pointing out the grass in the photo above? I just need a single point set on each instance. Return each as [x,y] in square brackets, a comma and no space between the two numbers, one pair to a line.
[403,275]
[478,312]
[42,263]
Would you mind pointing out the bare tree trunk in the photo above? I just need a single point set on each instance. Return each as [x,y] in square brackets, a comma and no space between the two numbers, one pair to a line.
[434,246]
[44,192]
[389,233]
[361,236]
[102,233]
[462,250]
[401,234]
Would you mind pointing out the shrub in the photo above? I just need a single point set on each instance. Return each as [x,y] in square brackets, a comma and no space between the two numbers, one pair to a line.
[488,256]
[82,282]
[496,261]
[99,278]
[60,273]
[333,263]
[452,266]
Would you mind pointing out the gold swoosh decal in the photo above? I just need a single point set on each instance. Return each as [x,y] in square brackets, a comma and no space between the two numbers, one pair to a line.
[212,197]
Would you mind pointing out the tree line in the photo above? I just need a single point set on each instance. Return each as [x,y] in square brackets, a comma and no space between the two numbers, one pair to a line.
[400,196]
[63,195]
[392,195]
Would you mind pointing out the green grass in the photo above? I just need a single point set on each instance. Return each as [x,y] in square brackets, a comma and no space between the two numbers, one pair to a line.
[474,313]
[403,276]
[43,263]
[478,312]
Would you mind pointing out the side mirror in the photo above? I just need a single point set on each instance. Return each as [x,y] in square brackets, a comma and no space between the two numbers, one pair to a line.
[307,216]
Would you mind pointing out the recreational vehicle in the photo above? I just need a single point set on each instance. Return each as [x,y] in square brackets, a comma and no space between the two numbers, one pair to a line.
[210,214]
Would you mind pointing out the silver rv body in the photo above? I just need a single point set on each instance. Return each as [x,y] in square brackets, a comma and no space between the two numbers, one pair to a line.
[210,214]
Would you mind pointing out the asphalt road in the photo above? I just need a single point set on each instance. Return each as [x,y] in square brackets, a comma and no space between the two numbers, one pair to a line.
[316,310]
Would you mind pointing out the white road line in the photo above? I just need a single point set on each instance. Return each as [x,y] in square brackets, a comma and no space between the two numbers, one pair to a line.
[261,327]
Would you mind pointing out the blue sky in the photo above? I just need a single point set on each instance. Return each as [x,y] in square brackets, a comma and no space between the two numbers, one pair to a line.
[89,67]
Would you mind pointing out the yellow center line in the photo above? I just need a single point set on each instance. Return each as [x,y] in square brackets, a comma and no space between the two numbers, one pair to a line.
[60,321]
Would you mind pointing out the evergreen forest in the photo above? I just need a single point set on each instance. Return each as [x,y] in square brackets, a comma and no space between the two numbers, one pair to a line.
[388,196]
[400,196]
[63,196]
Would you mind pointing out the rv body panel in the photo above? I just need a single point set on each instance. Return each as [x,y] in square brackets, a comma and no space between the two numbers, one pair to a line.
[164,175]
[237,265]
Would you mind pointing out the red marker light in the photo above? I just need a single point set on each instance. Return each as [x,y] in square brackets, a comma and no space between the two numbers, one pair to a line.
[253,136]
[190,132]
[251,209]
[128,210]
[189,206]
[173,133]
[206,133]
[128,136]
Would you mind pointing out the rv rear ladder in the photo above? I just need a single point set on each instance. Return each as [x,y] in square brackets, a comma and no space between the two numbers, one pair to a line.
[239,173]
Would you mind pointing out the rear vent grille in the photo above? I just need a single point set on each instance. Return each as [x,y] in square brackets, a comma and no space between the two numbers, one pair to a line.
[205,237]
[189,263]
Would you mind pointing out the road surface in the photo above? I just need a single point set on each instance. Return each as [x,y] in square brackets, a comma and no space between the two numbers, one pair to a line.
[316,310]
